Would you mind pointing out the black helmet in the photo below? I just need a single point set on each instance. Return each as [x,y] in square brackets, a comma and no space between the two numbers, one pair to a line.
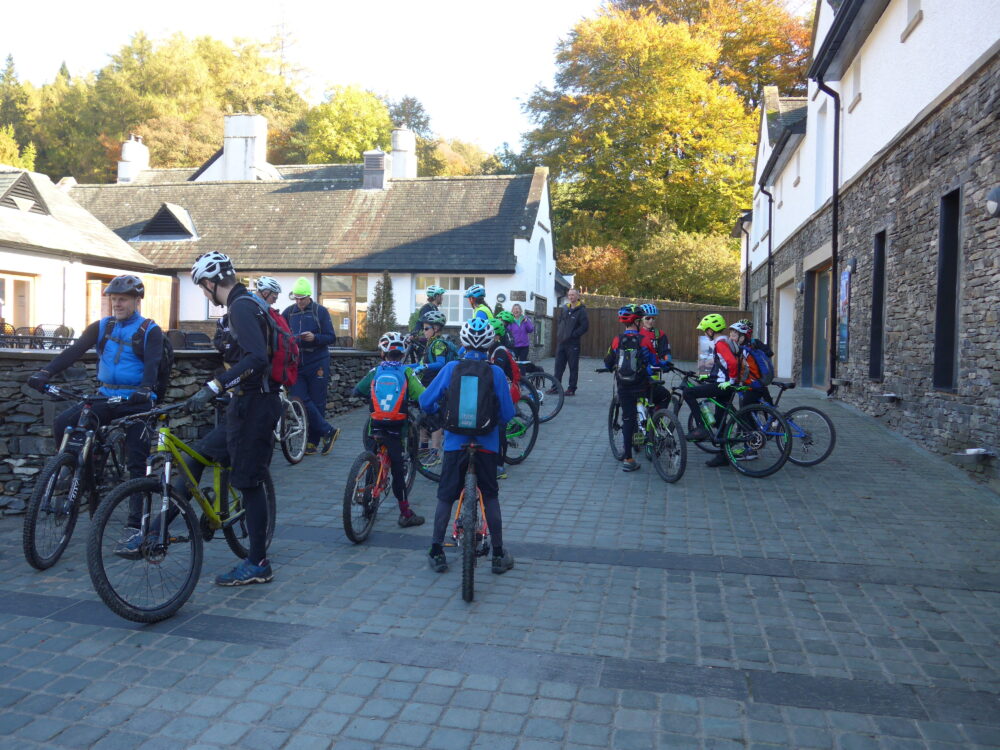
[126,285]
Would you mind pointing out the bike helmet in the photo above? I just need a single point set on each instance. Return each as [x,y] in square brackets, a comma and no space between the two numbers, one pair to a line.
[435,291]
[742,327]
[498,327]
[476,334]
[712,321]
[629,314]
[506,316]
[213,266]
[475,291]
[126,285]
[391,341]
[267,284]
[649,309]
[434,318]
[748,323]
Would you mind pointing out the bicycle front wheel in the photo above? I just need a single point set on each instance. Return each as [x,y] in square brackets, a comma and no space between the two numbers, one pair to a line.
[470,523]
[705,445]
[234,520]
[428,458]
[144,581]
[361,499]
[757,440]
[813,435]
[667,446]
[51,515]
[522,431]
[615,435]
[550,394]
[293,426]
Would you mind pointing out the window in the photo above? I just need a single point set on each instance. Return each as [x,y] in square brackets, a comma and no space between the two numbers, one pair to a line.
[855,85]
[798,173]
[15,300]
[876,356]
[914,15]
[455,307]
[820,157]
[540,271]
[346,297]
[948,275]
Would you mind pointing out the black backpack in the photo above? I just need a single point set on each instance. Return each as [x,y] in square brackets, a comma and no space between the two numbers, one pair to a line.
[139,349]
[629,369]
[471,405]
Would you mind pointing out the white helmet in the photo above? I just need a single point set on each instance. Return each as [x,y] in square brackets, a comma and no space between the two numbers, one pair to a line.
[267,284]
[476,334]
[213,266]
[391,341]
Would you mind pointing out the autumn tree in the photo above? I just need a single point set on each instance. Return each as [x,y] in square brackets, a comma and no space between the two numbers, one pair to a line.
[350,122]
[760,43]
[687,267]
[597,269]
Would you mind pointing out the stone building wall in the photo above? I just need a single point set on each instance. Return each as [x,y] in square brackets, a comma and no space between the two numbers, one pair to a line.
[955,147]
[26,416]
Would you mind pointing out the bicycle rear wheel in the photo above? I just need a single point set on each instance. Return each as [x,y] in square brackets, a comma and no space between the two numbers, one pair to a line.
[360,500]
[470,523]
[551,395]
[235,532]
[428,459]
[615,435]
[150,582]
[757,441]
[667,446]
[51,514]
[704,445]
[293,426]
[522,431]
[813,435]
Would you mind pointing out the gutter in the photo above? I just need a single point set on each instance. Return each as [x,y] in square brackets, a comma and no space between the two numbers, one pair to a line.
[835,230]
[770,263]
[746,293]
[842,22]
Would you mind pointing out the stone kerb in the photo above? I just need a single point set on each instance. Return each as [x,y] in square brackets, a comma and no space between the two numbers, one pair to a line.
[26,416]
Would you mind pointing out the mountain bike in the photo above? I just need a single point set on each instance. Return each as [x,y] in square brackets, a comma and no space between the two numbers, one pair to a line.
[149,578]
[813,434]
[469,530]
[550,394]
[369,482]
[90,460]
[291,430]
[658,434]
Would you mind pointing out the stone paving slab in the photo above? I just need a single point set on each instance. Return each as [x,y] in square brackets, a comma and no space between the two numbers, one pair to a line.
[849,605]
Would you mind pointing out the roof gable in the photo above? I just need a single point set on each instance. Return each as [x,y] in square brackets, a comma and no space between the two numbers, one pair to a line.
[19,193]
[170,222]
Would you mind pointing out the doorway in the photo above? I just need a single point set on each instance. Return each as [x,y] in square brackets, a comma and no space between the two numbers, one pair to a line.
[816,328]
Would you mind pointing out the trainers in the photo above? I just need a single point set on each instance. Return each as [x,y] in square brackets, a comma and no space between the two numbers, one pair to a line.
[552,392]
[438,562]
[501,473]
[570,392]
[502,564]
[328,440]
[245,573]
[130,545]
[717,460]
[745,454]
[411,520]
[431,458]
[630,464]
[698,433]
[310,449]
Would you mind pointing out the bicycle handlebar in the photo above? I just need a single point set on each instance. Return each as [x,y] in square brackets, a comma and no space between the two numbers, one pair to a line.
[63,393]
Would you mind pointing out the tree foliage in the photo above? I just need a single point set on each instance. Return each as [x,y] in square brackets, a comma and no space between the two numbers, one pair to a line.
[12,154]
[760,42]
[688,267]
[598,269]
[350,122]
[381,312]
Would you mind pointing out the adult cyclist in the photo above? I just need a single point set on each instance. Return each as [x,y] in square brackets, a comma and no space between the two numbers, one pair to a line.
[476,294]
[435,296]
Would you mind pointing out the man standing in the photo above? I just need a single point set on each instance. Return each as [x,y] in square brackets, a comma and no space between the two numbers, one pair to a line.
[313,329]
[571,325]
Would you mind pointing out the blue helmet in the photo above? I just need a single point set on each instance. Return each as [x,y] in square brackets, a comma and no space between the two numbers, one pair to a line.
[475,291]
[476,333]
[649,309]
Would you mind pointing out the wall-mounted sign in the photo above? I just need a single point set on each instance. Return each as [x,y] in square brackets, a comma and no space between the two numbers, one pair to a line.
[843,315]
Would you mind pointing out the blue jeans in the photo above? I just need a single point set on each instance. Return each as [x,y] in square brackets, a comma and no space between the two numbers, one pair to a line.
[311,388]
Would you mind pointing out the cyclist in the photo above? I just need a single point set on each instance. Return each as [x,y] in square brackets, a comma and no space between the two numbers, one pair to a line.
[390,434]
[500,323]
[633,378]
[476,336]
[742,333]
[253,410]
[502,357]
[267,289]
[311,324]
[437,352]
[653,337]
[476,294]
[520,329]
[435,296]
[129,351]
[721,380]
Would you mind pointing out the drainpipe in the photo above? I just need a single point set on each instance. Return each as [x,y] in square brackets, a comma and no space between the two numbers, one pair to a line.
[746,294]
[835,228]
[770,264]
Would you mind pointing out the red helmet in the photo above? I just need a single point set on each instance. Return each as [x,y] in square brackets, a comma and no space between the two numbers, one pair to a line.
[629,314]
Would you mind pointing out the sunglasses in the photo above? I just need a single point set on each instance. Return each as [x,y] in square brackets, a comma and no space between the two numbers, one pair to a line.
[649,317]
[428,328]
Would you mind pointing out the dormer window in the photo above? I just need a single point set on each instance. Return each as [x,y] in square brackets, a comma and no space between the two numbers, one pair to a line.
[171,223]
[18,192]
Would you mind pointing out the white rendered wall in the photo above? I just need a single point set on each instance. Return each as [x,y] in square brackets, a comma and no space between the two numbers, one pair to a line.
[784,356]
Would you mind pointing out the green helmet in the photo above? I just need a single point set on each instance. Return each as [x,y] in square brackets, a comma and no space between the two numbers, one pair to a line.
[712,321]
[506,316]
[498,327]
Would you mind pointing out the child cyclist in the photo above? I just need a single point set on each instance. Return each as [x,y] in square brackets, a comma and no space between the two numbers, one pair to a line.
[437,353]
[750,372]
[721,380]
[652,336]
[476,294]
[390,387]
[502,357]
[632,362]
[447,390]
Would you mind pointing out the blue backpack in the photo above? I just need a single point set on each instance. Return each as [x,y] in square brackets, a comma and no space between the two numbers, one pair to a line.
[758,357]
[388,396]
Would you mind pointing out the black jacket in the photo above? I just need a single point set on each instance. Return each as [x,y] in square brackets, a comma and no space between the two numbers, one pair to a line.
[571,324]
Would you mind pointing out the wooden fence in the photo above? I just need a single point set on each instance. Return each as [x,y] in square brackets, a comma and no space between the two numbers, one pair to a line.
[678,324]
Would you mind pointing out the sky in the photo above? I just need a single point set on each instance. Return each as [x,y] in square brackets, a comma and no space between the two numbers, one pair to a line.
[471,64]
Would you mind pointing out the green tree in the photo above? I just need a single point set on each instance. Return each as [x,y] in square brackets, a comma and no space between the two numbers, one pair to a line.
[641,130]
[409,112]
[459,158]
[16,108]
[381,312]
[66,131]
[687,267]
[350,122]
[12,154]
[760,42]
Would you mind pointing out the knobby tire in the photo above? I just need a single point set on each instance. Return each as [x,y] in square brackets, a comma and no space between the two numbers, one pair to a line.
[470,524]
[47,530]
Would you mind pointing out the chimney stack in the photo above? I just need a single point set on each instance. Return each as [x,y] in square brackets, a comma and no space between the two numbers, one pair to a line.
[244,147]
[377,170]
[404,154]
[135,158]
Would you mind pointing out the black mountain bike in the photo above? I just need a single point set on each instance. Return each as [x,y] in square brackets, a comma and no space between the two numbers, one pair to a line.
[89,462]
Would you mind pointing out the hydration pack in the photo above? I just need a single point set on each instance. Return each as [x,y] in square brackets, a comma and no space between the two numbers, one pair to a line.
[629,369]
[758,357]
[282,347]
[388,395]
[471,406]
[139,349]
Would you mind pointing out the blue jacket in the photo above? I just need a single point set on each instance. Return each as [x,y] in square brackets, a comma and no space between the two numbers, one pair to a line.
[430,402]
[119,371]
[315,319]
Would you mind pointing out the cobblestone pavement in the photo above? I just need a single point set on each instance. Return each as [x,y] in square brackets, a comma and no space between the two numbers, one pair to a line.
[851,605]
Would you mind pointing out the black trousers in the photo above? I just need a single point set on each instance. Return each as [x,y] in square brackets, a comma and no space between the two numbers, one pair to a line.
[521,353]
[136,441]
[453,468]
[568,353]
[393,442]
[710,390]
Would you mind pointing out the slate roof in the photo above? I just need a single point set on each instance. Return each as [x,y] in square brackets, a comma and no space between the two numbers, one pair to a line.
[350,174]
[784,112]
[66,230]
[446,225]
